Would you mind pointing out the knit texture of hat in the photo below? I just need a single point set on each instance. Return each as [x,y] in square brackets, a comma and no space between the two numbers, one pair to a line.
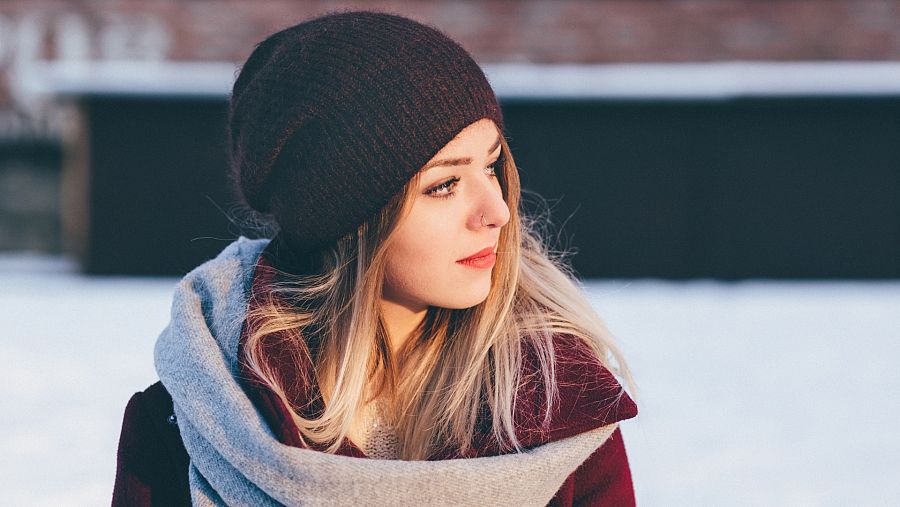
[331,117]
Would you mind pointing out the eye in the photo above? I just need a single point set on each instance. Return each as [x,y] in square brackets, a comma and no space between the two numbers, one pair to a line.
[442,191]
[496,165]
[445,189]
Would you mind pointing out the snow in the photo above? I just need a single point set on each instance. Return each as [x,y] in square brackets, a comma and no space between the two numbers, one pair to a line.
[750,393]
[645,80]
[761,393]
[694,80]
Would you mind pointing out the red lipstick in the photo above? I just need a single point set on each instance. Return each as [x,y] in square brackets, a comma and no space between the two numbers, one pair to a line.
[482,259]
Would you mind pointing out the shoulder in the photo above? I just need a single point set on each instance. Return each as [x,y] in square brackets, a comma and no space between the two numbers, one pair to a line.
[151,460]
[589,395]
[154,397]
[150,412]
[142,410]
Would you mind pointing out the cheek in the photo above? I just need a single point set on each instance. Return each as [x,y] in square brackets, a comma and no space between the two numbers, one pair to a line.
[426,236]
[421,256]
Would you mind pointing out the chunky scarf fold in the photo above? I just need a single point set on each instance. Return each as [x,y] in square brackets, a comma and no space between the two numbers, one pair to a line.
[236,460]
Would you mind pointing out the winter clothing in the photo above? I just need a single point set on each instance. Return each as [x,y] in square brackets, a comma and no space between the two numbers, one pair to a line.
[239,437]
[331,117]
[328,120]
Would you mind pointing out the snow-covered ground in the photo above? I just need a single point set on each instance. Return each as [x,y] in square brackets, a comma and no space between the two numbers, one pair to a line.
[752,393]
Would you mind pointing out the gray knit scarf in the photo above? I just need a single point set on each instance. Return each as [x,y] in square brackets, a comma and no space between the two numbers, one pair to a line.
[236,460]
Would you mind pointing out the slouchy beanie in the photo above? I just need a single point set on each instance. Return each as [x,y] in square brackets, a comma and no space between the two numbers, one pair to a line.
[330,118]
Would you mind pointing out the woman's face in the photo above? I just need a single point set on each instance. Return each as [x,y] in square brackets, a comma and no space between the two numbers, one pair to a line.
[456,187]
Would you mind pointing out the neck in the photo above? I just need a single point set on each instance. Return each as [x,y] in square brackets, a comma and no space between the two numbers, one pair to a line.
[400,320]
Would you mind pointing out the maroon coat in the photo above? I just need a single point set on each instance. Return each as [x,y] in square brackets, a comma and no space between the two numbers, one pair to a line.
[152,461]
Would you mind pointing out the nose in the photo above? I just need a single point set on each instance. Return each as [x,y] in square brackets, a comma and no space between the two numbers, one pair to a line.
[490,202]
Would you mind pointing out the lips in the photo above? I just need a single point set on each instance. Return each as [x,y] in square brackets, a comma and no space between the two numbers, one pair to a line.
[481,253]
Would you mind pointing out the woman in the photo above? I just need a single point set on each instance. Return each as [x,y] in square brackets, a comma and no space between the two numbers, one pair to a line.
[404,312]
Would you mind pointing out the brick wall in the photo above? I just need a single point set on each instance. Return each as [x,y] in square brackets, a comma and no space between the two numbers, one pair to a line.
[494,30]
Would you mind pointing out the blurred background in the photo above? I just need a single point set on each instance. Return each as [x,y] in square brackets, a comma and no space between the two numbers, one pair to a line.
[726,174]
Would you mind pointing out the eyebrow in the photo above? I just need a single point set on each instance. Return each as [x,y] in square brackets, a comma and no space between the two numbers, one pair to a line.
[457,161]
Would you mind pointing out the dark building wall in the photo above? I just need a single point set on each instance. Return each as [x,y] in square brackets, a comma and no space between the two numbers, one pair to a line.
[729,189]
[30,195]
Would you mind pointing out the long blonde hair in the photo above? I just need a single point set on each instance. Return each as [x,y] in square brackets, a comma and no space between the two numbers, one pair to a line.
[457,360]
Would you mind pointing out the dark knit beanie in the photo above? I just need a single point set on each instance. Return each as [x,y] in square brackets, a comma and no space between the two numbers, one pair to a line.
[331,117]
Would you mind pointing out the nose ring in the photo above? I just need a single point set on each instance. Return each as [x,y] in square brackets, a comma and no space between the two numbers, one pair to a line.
[482,220]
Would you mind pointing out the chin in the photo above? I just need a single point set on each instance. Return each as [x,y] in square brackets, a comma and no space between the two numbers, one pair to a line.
[460,303]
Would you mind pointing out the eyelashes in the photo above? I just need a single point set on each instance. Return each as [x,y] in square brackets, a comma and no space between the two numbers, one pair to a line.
[438,190]
[433,192]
